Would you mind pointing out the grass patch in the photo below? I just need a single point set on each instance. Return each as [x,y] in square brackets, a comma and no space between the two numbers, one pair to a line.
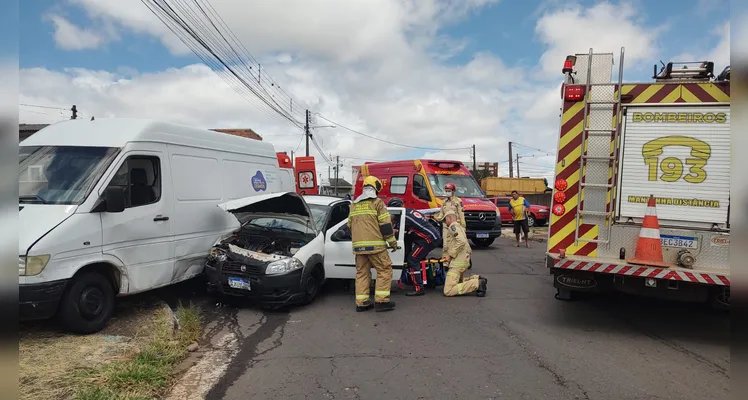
[147,371]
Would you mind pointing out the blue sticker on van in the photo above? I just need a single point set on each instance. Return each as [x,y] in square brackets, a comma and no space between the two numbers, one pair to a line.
[259,183]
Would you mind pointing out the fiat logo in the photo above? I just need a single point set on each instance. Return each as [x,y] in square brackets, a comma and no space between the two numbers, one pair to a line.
[243,268]
[482,217]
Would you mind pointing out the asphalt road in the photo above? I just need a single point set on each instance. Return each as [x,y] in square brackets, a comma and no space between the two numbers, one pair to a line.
[518,342]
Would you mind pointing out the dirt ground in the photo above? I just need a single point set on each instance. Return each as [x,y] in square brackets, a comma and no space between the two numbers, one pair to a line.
[50,359]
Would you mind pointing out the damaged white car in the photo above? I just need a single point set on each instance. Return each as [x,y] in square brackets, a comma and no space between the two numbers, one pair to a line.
[285,249]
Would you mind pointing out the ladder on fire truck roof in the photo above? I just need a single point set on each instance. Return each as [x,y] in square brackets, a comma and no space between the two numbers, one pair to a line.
[601,132]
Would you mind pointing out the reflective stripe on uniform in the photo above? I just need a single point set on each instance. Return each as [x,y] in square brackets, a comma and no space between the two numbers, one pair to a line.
[362,212]
[460,263]
[362,296]
[382,293]
[453,273]
[365,243]
[459,288]
[383,217]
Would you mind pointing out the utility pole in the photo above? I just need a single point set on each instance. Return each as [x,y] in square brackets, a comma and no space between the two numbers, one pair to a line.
[475,162]
[337,173]
[306,132]
[511,161]
[75,112]
[518,176]
[292,158]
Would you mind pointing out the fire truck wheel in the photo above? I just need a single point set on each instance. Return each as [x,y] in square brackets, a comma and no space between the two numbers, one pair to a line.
[720,299]
[482,242]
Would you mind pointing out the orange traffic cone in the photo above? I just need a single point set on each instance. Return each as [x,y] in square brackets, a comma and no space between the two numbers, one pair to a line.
[649,248]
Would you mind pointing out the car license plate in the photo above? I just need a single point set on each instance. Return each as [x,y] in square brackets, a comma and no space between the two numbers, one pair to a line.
[481,235]
[683,242]
[239,283]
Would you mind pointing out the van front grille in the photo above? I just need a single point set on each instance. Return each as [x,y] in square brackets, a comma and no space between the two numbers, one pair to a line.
[474,221]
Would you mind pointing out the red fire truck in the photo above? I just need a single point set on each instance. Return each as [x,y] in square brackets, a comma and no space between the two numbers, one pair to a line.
[420,184]
[621,143]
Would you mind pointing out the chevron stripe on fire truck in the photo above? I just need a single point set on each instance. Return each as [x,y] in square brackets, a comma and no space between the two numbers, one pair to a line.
[561,233]
[643,272]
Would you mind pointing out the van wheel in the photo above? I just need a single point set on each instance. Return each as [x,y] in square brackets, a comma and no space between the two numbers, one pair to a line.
[87,305]
[312,286]
[482,242]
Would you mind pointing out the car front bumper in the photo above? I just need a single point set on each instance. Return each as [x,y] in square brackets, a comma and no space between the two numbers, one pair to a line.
[40,300]
[272,291]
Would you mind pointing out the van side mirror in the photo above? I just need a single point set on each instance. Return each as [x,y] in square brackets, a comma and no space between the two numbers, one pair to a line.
[114,197]
[423,194]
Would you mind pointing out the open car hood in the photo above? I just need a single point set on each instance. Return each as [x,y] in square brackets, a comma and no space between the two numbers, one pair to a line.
[287,203]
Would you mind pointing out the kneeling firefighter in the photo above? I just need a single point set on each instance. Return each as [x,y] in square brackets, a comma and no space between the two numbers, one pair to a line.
[458,256]
[424,238]
[371,234]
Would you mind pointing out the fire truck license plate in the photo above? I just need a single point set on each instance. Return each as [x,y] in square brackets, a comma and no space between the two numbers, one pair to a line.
[683,242]
[481,235]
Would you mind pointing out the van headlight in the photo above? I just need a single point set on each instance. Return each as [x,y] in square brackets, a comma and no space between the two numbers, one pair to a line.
[283,266]
[32,265]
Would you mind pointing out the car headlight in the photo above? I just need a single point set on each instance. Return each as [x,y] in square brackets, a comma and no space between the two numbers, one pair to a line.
[218,254]
[32,265]
[283,266]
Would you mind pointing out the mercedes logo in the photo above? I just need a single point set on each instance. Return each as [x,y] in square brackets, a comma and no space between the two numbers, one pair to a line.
[243,268]
[482,216]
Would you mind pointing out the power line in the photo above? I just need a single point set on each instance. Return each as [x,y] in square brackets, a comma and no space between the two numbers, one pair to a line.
[532,148]
[390,142]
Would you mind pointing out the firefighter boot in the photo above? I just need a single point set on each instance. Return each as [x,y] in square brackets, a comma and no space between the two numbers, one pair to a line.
[482,283]
[388,306]
[368,305]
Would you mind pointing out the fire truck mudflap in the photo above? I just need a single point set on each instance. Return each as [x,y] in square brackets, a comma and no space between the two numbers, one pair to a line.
[672,137]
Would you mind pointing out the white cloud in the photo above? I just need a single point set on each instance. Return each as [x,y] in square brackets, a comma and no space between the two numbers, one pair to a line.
[371,65]
[68,36]
[605,27]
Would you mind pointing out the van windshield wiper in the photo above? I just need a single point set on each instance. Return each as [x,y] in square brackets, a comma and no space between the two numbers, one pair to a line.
[31,197]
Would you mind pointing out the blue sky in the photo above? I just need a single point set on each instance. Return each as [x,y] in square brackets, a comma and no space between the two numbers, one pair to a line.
[347,60]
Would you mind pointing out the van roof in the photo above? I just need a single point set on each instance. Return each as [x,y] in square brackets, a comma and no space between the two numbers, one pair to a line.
[117,132]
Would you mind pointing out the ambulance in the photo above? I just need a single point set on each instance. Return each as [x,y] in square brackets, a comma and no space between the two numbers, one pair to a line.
[420,184]
[623,145]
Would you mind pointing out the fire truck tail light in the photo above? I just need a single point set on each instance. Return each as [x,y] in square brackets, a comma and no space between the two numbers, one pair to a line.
[559,197]
[561,184]
[573,93]
[559,209]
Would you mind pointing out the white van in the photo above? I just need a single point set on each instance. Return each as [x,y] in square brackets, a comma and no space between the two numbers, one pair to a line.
[114,207]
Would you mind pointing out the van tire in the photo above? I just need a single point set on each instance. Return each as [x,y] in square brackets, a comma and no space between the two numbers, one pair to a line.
[482,243]
[94,292]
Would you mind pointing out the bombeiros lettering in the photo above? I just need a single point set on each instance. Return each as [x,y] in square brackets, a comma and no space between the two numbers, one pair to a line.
[680,117]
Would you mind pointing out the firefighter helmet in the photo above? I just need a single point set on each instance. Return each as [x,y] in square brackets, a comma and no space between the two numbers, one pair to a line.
[450,186]
[374,182]
[395,202]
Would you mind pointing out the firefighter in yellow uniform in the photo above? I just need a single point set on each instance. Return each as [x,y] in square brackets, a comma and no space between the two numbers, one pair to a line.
[454,204]
[458,257]
[371,234]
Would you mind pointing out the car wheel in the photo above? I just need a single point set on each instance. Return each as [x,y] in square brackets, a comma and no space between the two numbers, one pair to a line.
[87,304]
[482,242]
[530,220]
[312,286]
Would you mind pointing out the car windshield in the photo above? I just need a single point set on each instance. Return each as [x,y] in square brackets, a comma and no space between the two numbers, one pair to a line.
[278,224]
[465,184]
[319,214]
[60,174]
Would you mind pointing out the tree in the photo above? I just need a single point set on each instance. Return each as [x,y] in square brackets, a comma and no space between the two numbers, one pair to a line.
[479,175]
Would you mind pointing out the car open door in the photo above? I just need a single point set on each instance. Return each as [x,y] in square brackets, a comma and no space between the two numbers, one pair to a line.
[340,262]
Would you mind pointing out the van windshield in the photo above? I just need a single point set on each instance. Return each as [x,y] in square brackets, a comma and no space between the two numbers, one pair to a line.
[465,184]
[60,174]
